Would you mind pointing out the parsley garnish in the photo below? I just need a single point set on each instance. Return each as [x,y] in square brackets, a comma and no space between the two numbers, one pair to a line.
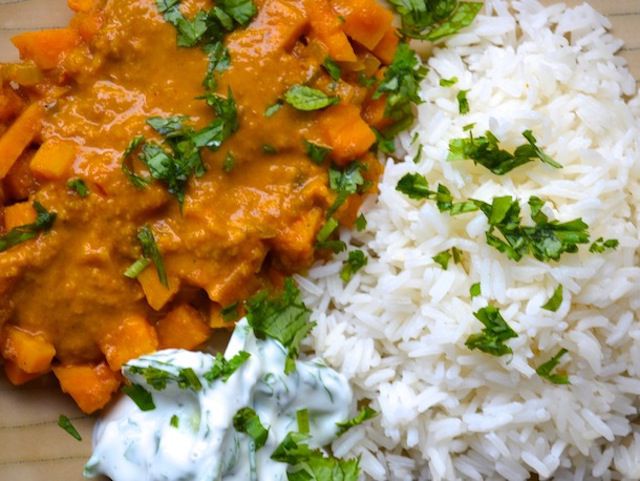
[463,103]
[316,152]
[357,260]
[496,331]
[600,245]
[140,396]
[364,415]
[544,371]
[435,19]
[150,252]
[345,183]
[361,223]
[43,223]
[65,423]
[448,82]
[555,301]
[308,99]
[159,378]
[284,318]
[401,85]
[332,68]
[247,421]
[485,150]
[79,187]
[475,290]
[223,369]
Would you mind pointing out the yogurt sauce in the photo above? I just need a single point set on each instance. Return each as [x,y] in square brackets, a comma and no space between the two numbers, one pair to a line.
[189,436]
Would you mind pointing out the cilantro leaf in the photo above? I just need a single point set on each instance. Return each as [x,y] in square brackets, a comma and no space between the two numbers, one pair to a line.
[442,259]
[544,371]
[332,68]
[79,186]
[357,260]
[135,269]
[495,332]
[158,378]
[65,423]
[43,223]
[247,421]
[308,99]
[230,313]
[316,152]
[485,150]
[600,245]
[284,318]
[475,290]
[140,396]
[242,11]
[223,369]
[448,82]
[361,223]
[229,162]
[415,186]
[345,183]
[273,108]
[302,418]
[151,252]
[219,61]
[462,17]
[555,301]
[463,103]
[137,181]
[364,415]
[174,421]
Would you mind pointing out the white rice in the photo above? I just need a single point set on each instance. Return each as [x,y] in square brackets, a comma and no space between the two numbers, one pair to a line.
[398,328]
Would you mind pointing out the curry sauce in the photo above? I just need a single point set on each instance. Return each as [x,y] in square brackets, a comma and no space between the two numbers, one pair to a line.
[251,217]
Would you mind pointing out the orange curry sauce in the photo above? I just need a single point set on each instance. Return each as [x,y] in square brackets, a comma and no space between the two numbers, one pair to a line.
[69,112]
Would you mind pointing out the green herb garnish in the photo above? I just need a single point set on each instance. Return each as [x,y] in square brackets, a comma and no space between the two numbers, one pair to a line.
[345,183]
[600,245]
[135,269]
[230,313]
[361,223]
[442,258]
[284,318]
[223,369]
[308,99]
[229,162]
[544,371]
[448,82]
[475,290]
[175,421]
[158,378]
[247,421]
[463,102]
[79,186]
[302,418]
[316,152]
[555,301]
[332,68]
[496,331]
[151,252]
[272,109]
[364,415]
[43,223]
[65,423]
[356,260]
[138,181]
[140,396]
[269,149]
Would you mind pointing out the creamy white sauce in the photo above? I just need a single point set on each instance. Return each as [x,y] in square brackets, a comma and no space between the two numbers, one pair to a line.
[135,445]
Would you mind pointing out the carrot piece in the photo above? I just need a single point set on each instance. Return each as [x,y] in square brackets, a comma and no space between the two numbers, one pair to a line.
[46,47]
[182,328]
[131,339]
[19,136]
[30,352]
[80,5]
[365,21]
[327,29]
[19,214]
[156,293]
[386,48]
[17,376]
[91,387]
[342,129]
[53,159]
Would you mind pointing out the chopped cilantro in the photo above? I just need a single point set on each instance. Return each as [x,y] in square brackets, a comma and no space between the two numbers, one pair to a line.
[364,415]
[140,396]
[418,157]
[495,332]
[601,245]
[65,423]
[219,61]
[284,318]
[327,229]
[229,162]
[468,127]
[308,99]
[345,183]
[361,223]
[223,369]
[273,108]
[442,259]
[463,103]
[151,252]
[475,290]
[356,260]
[485,150]
[230,313]
[544,371]
[555,301]
[332,68]
[247,421]
[43,223]
[335,246]
[79,186]
[302,418]
[365,81]
[316,152]
[158,378]
[137,181]
[415,186]
[175,421]
[448,82]
[135,269]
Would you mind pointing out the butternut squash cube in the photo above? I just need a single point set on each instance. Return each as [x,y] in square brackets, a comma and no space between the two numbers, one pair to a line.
[348,135]
[19,136]
[19,214]
[131,339]
[30,352]
[182,328]
[327,29]
[17,376]
[156,293]
[365,21]
[386,48]
[91,387]
[53,160]
[45,47]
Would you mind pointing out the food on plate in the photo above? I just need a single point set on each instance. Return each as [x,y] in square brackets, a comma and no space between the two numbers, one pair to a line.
[495,323]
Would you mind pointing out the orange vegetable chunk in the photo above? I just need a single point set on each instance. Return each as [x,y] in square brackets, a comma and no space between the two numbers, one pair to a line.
[283,22]
[327,29]
[53,159]
[30,352]
[17,376]
[91,387]
[156,293]
[80,5]
[295,243]
[19,214]
[365,21]
[386,48]
[45,47]
[373,112]
[345,132]
[19,136]
[131,339]
[182,328]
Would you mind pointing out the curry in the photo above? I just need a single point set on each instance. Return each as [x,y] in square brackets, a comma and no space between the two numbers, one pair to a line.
[81,204]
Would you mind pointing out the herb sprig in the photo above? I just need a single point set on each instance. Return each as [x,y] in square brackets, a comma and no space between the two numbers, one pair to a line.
[43,223]
[494,334]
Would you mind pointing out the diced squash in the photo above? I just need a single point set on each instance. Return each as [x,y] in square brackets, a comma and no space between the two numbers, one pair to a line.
[53,160]
[30,352]
[132,338]
[10,104]
[283,23]
[342,129]
[373,112]
[80,5]
[19,183]
[25,73]
[156,293]
[87,24]
[365,21]
[19,136]
[327,29]
[386,48]
[45,47]
[17,376]
[295,243]
[91,387]
[19,214]
[182,328]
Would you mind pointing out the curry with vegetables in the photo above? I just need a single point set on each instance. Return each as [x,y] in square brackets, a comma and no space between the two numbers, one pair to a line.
[160,161]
